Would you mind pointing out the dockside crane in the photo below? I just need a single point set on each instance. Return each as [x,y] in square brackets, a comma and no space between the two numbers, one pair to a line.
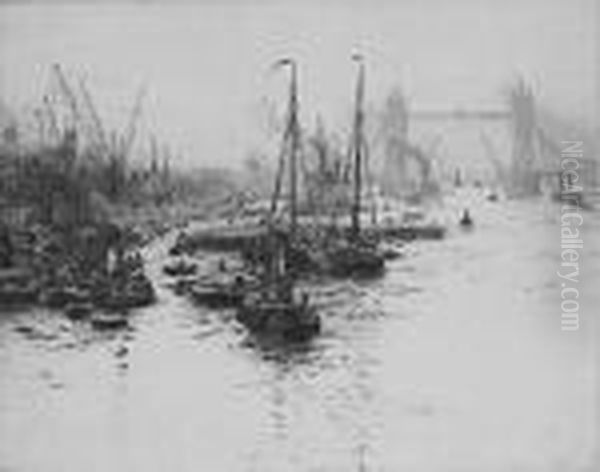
[51,119]
[130,132]
[95,126]
[66,92]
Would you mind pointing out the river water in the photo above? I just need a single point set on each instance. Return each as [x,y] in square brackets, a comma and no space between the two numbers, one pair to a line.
[454,361]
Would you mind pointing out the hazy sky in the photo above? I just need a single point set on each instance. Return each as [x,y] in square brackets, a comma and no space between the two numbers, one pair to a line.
[207,66]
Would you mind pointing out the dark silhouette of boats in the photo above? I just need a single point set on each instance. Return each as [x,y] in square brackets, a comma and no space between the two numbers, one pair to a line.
[136,291]
[17,287]
[109,320]
[274,309]
[57,296]
[390,251]
[79,299]
[17,295]
[78,310]
[221,291]
[355,261]
[180,267]
[353,255]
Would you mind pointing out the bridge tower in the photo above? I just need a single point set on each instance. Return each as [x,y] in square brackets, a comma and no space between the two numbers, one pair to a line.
[525,159]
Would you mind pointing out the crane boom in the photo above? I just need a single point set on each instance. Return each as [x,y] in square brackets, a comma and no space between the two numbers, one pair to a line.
[96,126]
[67,93]
[53,122]
[130,131]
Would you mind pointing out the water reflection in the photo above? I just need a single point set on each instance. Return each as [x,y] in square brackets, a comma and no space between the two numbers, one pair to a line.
[454,360]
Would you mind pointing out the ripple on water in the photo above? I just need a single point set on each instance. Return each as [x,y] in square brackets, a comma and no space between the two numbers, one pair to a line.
[447,354]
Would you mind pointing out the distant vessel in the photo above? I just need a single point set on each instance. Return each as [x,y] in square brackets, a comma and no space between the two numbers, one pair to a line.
[465,220]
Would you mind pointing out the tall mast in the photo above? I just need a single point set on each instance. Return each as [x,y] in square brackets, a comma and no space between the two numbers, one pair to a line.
[358,144]
[291,145]
[294,146]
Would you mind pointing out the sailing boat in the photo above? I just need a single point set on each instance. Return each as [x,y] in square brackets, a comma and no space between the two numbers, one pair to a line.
[274,309]
[353,255]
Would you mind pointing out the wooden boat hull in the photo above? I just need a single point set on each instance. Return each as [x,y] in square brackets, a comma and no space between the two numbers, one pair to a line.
[59,297]
[287,321]
[78,311]
[17,288]
[353,262]
[390,253]
[413,232]
[216,296]
[16,295]
[180,269]
[136,294]
[109,321]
